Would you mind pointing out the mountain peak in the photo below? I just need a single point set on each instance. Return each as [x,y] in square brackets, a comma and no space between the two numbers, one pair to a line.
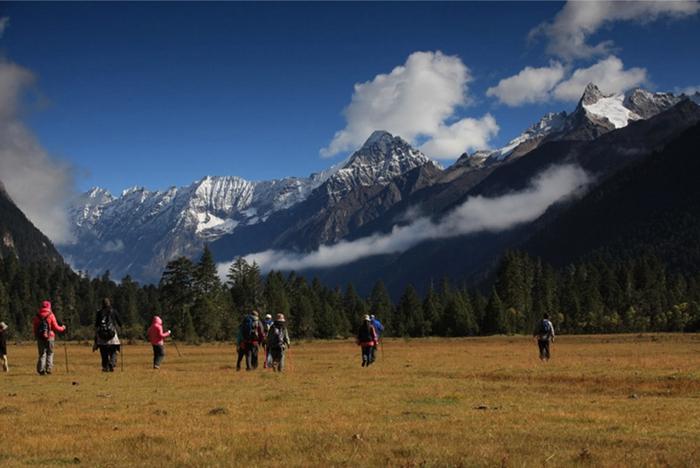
[378,137]
[591,94]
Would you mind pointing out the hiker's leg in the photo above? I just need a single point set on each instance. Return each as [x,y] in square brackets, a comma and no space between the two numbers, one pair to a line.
[254,358]
[113,356]
[40,362]
[159,351]
[248,356]
[364,355]
[5,365]
[104,354]
[546,350]
[280,366]
[241,355]
[49,356]
[540,345]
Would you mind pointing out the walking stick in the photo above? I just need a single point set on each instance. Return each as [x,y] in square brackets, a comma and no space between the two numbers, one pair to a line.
[65,351]
[176,348]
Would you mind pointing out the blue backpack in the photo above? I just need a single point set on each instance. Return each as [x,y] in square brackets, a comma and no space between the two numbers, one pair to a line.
[248,331]
[545,328]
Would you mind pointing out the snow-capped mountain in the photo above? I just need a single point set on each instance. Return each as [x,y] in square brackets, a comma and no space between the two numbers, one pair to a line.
[596,113]
[138,232]
[382,158]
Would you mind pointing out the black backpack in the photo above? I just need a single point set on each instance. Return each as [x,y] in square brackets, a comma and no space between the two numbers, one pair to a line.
[43,331]
[545,328]
[275,338]
[105,327]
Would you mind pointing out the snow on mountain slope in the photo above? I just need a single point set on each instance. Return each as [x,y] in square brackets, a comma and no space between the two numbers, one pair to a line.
[613,109]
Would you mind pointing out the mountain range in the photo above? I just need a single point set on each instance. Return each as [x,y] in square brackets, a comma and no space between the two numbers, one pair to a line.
[138,232]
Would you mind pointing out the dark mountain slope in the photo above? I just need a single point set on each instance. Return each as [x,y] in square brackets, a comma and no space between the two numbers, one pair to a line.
[649,208]
[20,238]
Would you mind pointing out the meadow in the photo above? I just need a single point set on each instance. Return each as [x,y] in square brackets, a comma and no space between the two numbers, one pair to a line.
[624,400]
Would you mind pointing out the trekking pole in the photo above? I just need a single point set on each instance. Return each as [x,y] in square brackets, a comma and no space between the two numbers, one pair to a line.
[65,351]
[176,348]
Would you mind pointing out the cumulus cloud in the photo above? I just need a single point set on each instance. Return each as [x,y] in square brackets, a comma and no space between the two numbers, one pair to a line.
[568,33]
[415,100]
[39,185]
[553,82]
[474,215]
[609,75]
[451,140]
[528,86]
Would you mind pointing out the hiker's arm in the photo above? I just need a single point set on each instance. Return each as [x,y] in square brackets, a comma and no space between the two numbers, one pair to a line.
[117,319]
[56,326]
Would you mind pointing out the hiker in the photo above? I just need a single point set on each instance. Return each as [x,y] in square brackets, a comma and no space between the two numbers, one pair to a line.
[277,343]
[45,326]
[250,335]
[3,347]
[379,328]
[367,339]
[106,339]
[544,333]
[267,323]
[157,336]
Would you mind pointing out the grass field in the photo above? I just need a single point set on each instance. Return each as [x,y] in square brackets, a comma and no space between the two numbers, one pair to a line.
[602,401]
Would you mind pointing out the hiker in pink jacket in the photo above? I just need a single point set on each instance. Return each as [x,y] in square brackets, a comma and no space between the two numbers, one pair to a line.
[156,336]
[45,325]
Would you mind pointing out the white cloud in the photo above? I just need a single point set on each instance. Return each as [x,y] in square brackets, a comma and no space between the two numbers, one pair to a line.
[475,214]
[113,246]
[528,86]
[4,24]
[39,185]
[567,34]
[451,141]
[547,83]
[608,74]
[416,100]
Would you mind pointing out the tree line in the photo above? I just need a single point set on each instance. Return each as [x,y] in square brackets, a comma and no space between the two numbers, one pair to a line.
[591,296]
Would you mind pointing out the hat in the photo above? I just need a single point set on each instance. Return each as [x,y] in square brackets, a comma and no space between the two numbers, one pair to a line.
[268,316]
[254,313]
[46,305]
[280,317]
[366,318]
[3,326]
[372,316]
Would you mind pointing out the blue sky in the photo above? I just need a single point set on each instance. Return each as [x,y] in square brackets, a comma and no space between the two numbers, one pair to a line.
[163,94]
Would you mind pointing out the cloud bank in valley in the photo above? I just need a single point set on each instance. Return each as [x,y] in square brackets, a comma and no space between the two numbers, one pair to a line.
[40,185]
[476,214]
[418,101]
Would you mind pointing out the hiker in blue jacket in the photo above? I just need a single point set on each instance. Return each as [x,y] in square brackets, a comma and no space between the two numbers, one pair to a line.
[544,334]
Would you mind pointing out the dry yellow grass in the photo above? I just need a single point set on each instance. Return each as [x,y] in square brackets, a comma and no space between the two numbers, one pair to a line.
[601,401]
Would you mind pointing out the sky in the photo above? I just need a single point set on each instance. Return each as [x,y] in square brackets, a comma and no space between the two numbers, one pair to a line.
[159,94]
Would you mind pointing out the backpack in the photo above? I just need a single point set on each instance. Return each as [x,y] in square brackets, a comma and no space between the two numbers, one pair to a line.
[545,328]
[105,327]
[248,330]
[275,339]
[43,331]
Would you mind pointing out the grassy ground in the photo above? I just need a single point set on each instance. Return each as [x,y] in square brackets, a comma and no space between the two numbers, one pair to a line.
[602,401]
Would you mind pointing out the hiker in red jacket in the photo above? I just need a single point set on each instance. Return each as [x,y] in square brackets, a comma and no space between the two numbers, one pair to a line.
[157,336]
[45,326]
[367,340]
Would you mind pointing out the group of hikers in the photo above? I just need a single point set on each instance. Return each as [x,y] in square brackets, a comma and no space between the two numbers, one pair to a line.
[253,333]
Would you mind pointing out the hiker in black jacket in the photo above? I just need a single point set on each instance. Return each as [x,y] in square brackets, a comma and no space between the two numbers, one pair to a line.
[106,339]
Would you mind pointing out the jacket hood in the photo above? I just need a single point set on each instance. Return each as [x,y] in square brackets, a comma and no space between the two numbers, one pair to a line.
[156,320]
[45,309]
